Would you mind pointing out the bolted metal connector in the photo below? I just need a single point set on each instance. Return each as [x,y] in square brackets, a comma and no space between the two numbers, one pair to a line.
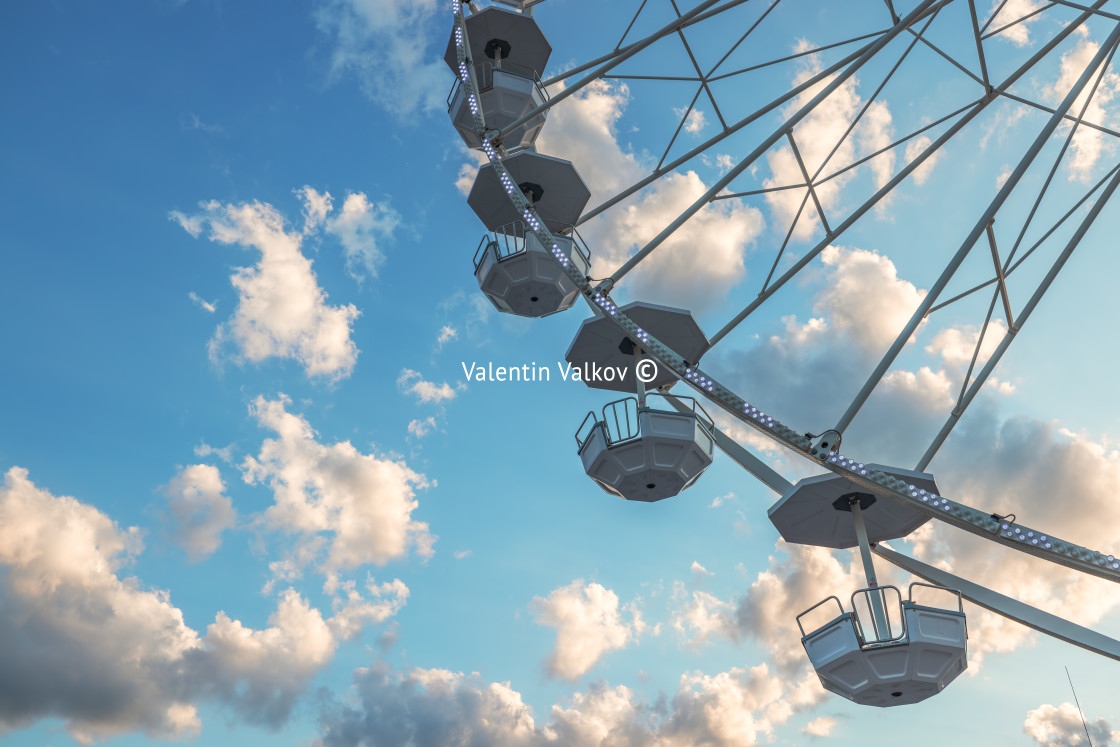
[824,444]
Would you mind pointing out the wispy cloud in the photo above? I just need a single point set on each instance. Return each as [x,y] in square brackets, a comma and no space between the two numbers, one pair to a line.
[202,303]
[412,382]
[390,48]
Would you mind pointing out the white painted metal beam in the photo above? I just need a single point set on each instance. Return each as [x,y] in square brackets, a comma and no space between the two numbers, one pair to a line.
[1005,606]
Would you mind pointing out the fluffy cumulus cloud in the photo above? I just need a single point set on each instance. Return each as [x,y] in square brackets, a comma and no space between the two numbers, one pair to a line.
[864,298]
[584,131]
[816,136]
[393,49]
[588,623]
[61,593]
[99,651]
[1062,727]
[1088,145]
[282,311]
[346,507]
[434,706]
[197,509]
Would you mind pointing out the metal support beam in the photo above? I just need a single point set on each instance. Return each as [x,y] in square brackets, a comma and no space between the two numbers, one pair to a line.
[809,184]
[1000,277]
[875,596]
[663,32]
[979,44]
[1005,606]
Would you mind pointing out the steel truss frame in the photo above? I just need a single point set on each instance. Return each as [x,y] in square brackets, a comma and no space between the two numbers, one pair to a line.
[914,25]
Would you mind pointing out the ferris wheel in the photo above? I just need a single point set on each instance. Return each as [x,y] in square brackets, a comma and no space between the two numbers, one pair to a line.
[881,649]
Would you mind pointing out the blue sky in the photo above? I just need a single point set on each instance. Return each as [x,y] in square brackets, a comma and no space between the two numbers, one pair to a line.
[250,496]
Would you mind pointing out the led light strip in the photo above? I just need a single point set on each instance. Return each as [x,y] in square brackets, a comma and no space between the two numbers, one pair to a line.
[1013,535]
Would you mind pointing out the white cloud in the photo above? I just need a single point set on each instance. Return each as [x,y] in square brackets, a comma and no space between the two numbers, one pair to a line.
[1003,176]
[388,46]
[359,504]
[412,382]
[198,511]
[1006,388]
[1020,33]
[225,453]
[316,206]
[203,303]
[915,148]
[871,319]
[1062,727]
[282,311]
[1088,145]
[80,643]
[421,428]
[719,500]
[694,123]
[463,554]
[360,227]
[955,345]
[195,123]
[740,706]
[352,611]
[699,572]
[447,333]
[428,706]
[584,132]
[62,594]
[263,672]
[796,580]
[588,625]
[703,616]
[820,727]
[464,180]
[192,224]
